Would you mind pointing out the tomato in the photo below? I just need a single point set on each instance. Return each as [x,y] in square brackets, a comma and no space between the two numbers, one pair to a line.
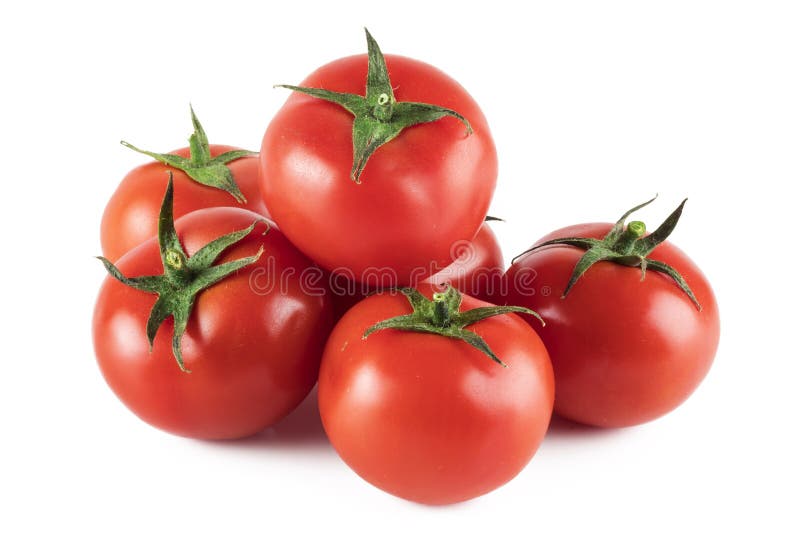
[131,215]
[624,350]
[204,175]
[477,266]
[419,193]
[476,269]
[252,345]
[430,418]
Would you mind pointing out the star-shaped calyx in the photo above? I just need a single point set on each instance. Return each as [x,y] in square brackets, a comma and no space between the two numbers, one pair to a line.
[379,118]
[442,316]
[626,245]
[200,166]
[184,276]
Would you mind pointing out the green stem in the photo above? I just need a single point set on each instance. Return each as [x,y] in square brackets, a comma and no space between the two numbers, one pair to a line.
[441,315]
[384,108]
[627,241]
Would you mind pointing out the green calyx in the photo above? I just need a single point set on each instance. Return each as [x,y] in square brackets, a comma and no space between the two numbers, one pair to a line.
[441,316]
[379,118]
[626,245]
[200,166]
[184,277]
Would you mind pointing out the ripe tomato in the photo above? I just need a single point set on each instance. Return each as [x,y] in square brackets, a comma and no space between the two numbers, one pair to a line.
[477,268]
[422,191]
[252,350]
[430,418]
[624,350]
[131,215]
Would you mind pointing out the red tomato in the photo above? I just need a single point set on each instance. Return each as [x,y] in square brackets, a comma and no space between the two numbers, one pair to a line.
[428,418]
[477,266]
[131,216]
[253,351]
[624,351]
[419,193]
[476,270]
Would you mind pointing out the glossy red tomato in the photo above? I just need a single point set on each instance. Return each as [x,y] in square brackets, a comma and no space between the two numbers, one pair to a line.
[253,343]
[476,270]
[131,215]
[624,351]
[419,193]
[428,418]
[477,266]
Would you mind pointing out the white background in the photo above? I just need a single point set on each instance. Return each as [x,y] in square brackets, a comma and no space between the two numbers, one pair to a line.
[595,106]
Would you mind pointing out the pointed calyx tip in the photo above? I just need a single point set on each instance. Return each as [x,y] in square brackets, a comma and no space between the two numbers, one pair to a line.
[626,245]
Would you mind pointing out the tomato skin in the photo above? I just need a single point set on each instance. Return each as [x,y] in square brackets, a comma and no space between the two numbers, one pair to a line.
[477,267]
[252,357]
[424,190]
[624,351]
[476,270]
[131,215]
[432,419]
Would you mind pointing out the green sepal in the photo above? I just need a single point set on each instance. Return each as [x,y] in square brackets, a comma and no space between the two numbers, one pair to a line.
[442,316]
[200,166]
[626,245]
[184,276]
[379,117]
[646,245]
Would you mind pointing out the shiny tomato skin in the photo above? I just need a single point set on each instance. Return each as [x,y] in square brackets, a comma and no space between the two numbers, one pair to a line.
[131,215]
[253,352]
[477,266]
[624,351]
[432,419]
[426,189]
[476,270]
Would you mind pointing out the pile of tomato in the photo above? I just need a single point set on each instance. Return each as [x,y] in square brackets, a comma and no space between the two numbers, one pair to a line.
[354,251]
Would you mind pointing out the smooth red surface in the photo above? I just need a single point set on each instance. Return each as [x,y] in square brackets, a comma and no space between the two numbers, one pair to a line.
[476,270]
[253,351]
[131,215]
[420,193]
[624,351]
[477,267]
[428,418]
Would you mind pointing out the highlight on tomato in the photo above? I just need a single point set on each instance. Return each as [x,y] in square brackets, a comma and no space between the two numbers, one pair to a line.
[632,322]
[193,340]
[433,396]
[382,178]
[477,267]
[205,176]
